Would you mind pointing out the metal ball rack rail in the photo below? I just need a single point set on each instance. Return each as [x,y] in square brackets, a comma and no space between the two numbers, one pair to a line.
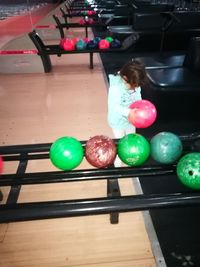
[113,204]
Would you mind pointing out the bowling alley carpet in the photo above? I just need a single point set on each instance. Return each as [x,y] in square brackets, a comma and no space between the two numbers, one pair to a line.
[177,229]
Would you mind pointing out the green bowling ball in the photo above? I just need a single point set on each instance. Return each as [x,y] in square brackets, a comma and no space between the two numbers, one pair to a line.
[133,149]
[188,170]
[109,39]
[166,147]
[66,153]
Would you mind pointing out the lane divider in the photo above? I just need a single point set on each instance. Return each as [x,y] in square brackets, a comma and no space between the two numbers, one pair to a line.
[51,26]
[19,52]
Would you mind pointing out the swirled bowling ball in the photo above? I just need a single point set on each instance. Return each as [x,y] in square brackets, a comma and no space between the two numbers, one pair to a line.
[81,45]
[100,151]
[188,170]
[166,147]
[66,153]
[145,113]
[133,149]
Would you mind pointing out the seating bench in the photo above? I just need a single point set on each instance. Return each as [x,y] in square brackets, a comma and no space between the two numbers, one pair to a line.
[45,51]
[156,60]
[175,90]
[174,29]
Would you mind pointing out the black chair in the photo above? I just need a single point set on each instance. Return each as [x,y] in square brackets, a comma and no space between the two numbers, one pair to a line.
[154,21]
[176,90]
[165,30]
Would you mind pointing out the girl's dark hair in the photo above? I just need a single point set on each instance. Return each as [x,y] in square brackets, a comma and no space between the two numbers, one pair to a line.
[134,72]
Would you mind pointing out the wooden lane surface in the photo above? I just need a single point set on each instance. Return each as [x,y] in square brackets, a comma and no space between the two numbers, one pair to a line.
[15,26]
[39,108]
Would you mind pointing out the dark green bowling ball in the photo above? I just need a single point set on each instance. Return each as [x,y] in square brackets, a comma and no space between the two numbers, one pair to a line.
[133,149]
[188,170]
[66,153]
[166,147]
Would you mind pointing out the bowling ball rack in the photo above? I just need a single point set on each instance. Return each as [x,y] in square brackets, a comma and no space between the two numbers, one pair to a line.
[113,204]
[45,51]
[61,26]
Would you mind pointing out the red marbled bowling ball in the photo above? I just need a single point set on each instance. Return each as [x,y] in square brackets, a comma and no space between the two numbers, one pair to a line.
[100,151]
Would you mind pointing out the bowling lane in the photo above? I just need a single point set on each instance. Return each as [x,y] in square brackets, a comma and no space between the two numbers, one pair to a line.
[39,108]
[14,26]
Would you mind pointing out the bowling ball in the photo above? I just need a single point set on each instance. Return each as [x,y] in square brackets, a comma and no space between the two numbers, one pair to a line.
[133,149]
[61,44]
[1,164]
[75,40]
[109,39]
[188,170]
[90,21]
[100,151]
[115,43]
[81,45]
[97,39]
[86,3]
[144,114]
[90,12]
[104,44]
[66,153]
[68,45]
[82,22]
[92,44]
[166,147]
[85,39]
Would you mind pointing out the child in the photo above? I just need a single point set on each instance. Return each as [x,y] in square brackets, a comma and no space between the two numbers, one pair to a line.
[124,90]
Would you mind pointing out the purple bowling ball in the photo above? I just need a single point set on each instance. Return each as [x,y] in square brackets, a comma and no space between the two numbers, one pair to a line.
[115,43]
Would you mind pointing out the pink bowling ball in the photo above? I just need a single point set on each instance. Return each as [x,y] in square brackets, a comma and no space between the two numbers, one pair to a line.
[68,45]
[85,39]
[90,21]
[82,22]
[75,40]
[90,12]
[145,114]
[104,44]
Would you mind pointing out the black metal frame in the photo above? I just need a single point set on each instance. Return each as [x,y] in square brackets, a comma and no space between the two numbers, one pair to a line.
[114,203]
[61,26]
[44,51]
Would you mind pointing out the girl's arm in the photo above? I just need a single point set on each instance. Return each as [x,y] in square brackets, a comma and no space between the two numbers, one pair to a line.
[115,102]
[137,95]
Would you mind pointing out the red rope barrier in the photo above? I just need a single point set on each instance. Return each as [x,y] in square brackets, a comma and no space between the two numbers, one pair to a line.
[19,52]
[51,26]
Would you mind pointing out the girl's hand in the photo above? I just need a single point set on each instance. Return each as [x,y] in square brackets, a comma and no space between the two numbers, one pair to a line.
[132,115]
